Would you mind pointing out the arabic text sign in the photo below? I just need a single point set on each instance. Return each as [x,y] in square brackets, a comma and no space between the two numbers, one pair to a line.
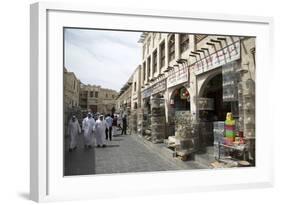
[178,76]
[221,57]
[159,86]
[147,93]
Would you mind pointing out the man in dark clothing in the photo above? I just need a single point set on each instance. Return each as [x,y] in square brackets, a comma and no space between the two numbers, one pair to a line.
[114,125]
[108,130]
[124,129]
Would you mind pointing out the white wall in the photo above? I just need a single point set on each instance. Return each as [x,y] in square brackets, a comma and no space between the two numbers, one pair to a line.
[14,150]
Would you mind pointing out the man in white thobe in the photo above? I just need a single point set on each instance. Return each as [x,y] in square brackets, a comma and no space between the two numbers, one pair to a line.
[100,128]
[73,131]
[88,126]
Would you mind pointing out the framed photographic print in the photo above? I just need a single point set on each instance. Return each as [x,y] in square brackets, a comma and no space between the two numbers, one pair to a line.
[147,102]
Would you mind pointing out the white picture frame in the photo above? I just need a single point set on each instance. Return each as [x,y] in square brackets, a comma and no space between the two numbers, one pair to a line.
[46,177]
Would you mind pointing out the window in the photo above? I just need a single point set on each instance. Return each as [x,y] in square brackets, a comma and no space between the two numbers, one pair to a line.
[154,61]
[135,86]
[148,66]
[113,96]
[199,38]
[91,94]
[171,46]
[148,45]
[154,40]
[162,54]
[144,71]
[106,95]
[184,42]
[253,52]
[143,50]
[96,94]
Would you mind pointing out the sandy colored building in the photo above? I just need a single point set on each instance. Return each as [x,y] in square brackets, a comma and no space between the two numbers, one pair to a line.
[97,99]
[124,98]
[71,89]
[202,76]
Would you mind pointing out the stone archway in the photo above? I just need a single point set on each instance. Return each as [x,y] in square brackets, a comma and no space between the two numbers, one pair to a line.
[212,89]
[210,76]
[179,98]
[175,103]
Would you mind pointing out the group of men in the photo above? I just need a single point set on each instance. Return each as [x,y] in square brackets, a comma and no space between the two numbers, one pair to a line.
[100,129]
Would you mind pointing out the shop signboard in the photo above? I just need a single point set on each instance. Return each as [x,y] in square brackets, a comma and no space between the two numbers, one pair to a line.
[205,103]
[159,86]
[221,57]
[177,76]
[147,92]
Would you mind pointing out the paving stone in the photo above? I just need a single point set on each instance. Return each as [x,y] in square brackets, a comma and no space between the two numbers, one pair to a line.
[122,155]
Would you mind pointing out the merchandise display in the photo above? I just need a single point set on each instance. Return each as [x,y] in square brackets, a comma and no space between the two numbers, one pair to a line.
[186,132]
[158,120]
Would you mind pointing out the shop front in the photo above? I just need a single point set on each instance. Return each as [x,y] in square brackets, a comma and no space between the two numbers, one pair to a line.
[158,117]
[145,114]
[178,96]
[153,112]
[218,103]
[181,120]
[134,115]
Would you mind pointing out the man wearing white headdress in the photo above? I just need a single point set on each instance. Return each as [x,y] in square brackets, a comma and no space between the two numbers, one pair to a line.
[100,128]
[88,126]
[73,132]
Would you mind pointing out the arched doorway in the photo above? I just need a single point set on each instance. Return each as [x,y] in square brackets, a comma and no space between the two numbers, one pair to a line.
[180,99]
[213,89]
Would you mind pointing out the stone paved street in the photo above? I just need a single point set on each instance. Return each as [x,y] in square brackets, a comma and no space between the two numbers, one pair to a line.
[123,154]
[80,161]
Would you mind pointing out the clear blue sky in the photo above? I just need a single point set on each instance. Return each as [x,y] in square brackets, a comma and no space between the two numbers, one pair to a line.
[101,57]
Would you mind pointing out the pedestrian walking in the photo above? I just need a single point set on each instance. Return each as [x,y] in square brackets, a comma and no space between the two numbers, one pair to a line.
[124,128]
[108,130]
[114,125]
[88,126]
[73,131]
[100,127]
[119,122]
